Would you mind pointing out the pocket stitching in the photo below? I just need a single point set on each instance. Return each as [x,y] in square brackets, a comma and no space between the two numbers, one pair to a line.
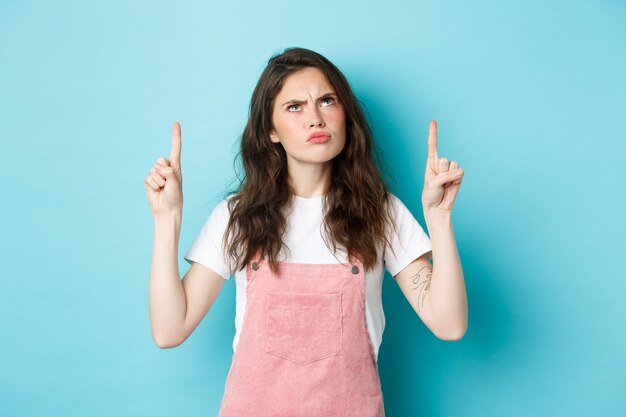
[335,302]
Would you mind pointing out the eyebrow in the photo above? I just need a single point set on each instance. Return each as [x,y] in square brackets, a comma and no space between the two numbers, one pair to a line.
[332,93]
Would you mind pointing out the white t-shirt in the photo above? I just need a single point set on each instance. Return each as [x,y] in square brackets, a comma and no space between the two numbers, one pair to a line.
[303,236]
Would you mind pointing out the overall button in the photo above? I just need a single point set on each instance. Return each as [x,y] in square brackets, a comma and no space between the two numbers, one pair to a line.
[355,269]
[255,266]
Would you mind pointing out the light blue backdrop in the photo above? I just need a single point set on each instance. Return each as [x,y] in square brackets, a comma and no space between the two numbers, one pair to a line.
[529,97]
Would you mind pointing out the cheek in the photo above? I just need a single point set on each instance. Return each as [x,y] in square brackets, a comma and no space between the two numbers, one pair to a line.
[337,117]
[284,127]
[290,124]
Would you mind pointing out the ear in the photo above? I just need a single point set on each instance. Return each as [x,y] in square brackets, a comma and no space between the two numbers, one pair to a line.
[273,137]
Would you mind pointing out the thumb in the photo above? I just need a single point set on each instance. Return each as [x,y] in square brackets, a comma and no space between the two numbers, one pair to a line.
[167,172]
[176,146]
[446,177]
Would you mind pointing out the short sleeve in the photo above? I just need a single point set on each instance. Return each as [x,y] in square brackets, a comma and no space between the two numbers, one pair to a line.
[409,242]
[207,249]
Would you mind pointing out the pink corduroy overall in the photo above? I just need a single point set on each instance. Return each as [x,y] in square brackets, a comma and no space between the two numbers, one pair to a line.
[304,348]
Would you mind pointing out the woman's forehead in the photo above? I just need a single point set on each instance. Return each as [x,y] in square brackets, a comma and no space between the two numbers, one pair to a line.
[305,82]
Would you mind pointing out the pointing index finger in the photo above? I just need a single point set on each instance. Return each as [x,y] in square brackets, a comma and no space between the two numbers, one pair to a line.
[176,145]
[432,140]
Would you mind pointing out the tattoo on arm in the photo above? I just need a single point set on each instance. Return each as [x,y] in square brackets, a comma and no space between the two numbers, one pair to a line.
[421,284]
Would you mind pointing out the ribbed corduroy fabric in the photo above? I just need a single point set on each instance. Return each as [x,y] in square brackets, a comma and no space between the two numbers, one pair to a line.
[304,349]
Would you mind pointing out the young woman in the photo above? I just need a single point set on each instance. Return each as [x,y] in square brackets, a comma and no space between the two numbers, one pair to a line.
[308,235]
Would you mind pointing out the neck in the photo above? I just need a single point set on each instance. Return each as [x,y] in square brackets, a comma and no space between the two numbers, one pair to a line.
[309,180]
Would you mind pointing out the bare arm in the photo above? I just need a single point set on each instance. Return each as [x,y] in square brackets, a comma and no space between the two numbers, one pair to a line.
[442,288]
[168,303]
[448,298]
[414,281]
[437,292]
[177,307]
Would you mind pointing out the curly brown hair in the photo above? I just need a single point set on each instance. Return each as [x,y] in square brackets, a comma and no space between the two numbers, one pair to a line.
[356,206]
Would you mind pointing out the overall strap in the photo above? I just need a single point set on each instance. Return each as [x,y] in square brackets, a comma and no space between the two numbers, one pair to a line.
[256,259]
[355,264]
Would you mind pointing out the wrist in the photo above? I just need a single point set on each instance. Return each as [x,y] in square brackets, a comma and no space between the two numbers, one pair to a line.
[174,217]
[437,217]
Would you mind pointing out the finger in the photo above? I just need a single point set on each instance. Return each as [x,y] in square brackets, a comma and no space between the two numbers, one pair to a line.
[165,172]
[158,179]
[150,182]
[161,171]
[445,178]
[163,162]
[432,140]
[443,165]
[156,170]
[452,191]
[176,146]
[454,166]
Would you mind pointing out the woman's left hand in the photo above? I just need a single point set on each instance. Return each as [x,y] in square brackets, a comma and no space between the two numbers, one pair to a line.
[442,180]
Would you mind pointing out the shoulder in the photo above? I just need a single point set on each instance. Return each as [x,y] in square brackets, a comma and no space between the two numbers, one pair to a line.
[222,209]
[394,200]
[217,220]
[396,207]
[404,222]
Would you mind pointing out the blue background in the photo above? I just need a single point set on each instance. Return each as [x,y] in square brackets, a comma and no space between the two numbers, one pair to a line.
[529,97]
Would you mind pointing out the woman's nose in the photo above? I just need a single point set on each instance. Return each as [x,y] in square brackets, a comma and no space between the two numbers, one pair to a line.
[316,119]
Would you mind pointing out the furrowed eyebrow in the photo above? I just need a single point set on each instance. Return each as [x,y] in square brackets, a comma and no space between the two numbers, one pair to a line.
[294,101]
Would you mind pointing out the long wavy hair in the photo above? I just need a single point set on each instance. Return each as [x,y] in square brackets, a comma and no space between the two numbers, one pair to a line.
[356,206]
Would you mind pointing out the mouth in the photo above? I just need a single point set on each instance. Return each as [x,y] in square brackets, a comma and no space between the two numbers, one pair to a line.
[318,137]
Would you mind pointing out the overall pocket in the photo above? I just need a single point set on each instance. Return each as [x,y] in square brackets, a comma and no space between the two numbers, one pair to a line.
[304,327]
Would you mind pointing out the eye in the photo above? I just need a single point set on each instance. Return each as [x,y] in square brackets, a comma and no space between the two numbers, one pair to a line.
[331,99]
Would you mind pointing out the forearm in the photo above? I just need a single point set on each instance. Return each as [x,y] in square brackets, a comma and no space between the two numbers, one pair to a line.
[166,293]
[448,299]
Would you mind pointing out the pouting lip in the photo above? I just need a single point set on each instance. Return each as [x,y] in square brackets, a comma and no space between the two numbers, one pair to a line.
[317,135]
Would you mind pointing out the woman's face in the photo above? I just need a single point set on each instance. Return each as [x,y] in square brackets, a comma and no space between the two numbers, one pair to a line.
[306,104]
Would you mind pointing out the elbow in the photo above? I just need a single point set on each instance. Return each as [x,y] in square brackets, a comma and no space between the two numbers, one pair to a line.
[452,335]
[165,343]
[455,337]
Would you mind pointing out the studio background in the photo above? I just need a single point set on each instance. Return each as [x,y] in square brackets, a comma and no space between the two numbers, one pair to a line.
[529,99]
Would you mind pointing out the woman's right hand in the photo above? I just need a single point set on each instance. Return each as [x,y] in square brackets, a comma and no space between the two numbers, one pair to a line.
[164,182]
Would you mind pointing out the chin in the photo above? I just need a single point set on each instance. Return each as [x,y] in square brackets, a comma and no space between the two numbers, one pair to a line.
[320,157]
